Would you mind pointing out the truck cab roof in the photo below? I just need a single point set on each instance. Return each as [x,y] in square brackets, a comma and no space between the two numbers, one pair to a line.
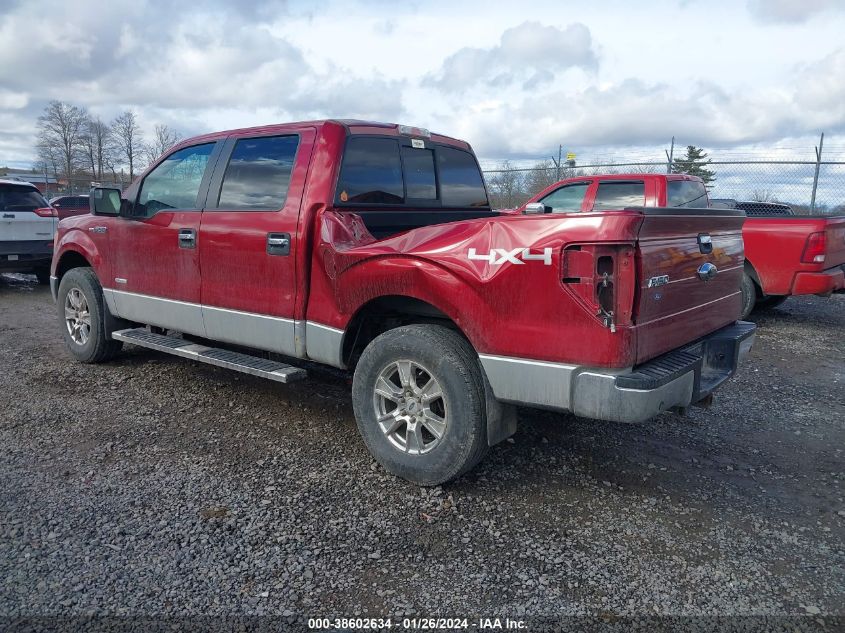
[352,126]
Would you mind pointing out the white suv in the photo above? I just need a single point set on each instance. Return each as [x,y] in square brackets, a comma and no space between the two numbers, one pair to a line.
[27,228]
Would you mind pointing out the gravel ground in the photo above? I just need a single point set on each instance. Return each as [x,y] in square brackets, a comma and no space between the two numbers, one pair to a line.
[155,486]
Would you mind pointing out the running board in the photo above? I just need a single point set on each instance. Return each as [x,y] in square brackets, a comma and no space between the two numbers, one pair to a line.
[211,355]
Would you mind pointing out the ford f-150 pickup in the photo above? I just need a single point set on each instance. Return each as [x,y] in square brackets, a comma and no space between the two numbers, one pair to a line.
[373,248]
[788,254]
[785,254]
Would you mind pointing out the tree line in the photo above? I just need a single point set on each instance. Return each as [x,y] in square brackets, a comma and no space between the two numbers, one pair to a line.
[74,143]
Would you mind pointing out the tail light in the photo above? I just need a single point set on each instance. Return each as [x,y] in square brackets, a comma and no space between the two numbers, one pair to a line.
[602,278]
[46,212]
[814,249]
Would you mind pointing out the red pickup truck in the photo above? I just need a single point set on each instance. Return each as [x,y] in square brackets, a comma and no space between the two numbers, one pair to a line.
[373,248]
[785,254]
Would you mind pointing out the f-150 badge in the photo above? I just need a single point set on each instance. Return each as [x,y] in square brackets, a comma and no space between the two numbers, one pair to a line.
[660,280]
[514,256]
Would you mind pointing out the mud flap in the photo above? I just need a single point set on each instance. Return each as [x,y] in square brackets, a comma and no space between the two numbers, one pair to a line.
[501,417]
[113,323]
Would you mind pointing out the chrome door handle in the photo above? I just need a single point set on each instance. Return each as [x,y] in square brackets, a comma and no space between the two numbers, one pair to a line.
[187,238]
[278,243]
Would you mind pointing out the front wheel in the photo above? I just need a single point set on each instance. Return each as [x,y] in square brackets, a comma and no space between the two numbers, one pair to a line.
[82,313]
[419,403]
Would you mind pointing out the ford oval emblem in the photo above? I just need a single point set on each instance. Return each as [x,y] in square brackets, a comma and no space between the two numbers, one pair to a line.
[707,271]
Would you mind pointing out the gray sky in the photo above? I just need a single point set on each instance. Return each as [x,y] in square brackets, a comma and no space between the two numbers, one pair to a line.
[514,79]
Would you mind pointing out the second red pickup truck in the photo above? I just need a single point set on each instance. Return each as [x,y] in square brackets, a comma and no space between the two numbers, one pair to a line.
[373,248]
[785,254]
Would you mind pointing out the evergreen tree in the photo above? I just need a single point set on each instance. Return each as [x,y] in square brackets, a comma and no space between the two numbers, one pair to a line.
[695,164]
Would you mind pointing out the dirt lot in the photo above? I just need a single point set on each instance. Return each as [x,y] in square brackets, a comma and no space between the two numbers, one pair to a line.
[152,485]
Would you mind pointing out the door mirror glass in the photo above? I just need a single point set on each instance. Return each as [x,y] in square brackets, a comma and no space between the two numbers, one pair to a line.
[103,201]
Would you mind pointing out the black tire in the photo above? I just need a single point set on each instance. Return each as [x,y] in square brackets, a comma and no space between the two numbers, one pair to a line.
[97,347]
[749,295]
[447,357]
[770,302]
[43,276]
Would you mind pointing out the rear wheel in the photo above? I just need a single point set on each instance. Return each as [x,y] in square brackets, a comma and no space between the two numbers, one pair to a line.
[419,403]
[770,302]
[749,295]
[82,313]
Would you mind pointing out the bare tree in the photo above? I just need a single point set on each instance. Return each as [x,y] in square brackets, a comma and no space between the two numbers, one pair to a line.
[163,139]
[99,147]
[506,186]
[762,195]
[48,157]
[60,131]
[541,176]
[128,140]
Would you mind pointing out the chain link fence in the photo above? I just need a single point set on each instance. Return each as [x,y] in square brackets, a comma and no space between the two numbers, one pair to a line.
[808,186]
[81,186]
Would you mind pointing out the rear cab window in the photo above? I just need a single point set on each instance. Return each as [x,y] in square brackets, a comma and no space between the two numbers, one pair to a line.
[393,171]
[615,195]
[686,193]
[371,172]
[21,198]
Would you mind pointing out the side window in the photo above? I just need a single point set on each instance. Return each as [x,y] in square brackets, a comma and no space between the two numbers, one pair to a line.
[175,183]
[618,195]
[567,199]
[371,172]
[686,193]
[258,174]
[461,184]
[419,173]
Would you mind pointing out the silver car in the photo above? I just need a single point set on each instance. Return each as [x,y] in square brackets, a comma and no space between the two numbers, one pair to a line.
[27,229]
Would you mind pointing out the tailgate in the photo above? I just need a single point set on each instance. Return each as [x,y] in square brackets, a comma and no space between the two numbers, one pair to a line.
[677,300]
[835,242]
[25,226]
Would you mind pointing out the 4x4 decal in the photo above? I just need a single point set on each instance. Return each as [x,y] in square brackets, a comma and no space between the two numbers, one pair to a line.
[514,256]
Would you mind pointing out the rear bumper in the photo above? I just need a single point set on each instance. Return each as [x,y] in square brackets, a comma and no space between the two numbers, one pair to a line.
[823,283]
[677,379]
[24,255]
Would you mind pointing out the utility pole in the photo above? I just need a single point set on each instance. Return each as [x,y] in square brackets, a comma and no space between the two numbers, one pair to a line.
[816,176]
[669,156]
[557,162]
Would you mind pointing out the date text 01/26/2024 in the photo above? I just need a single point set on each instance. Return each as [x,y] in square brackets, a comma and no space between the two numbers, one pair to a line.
[415,624]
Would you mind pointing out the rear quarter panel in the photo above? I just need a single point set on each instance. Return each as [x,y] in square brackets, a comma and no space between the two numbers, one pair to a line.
[507,309]
[773,247]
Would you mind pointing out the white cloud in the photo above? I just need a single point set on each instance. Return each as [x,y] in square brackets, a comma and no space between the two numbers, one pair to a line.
[531,53]
[513,79]
[791,11]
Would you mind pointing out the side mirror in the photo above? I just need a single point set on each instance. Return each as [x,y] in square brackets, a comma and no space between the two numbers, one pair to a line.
[534,208]
[103,201]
